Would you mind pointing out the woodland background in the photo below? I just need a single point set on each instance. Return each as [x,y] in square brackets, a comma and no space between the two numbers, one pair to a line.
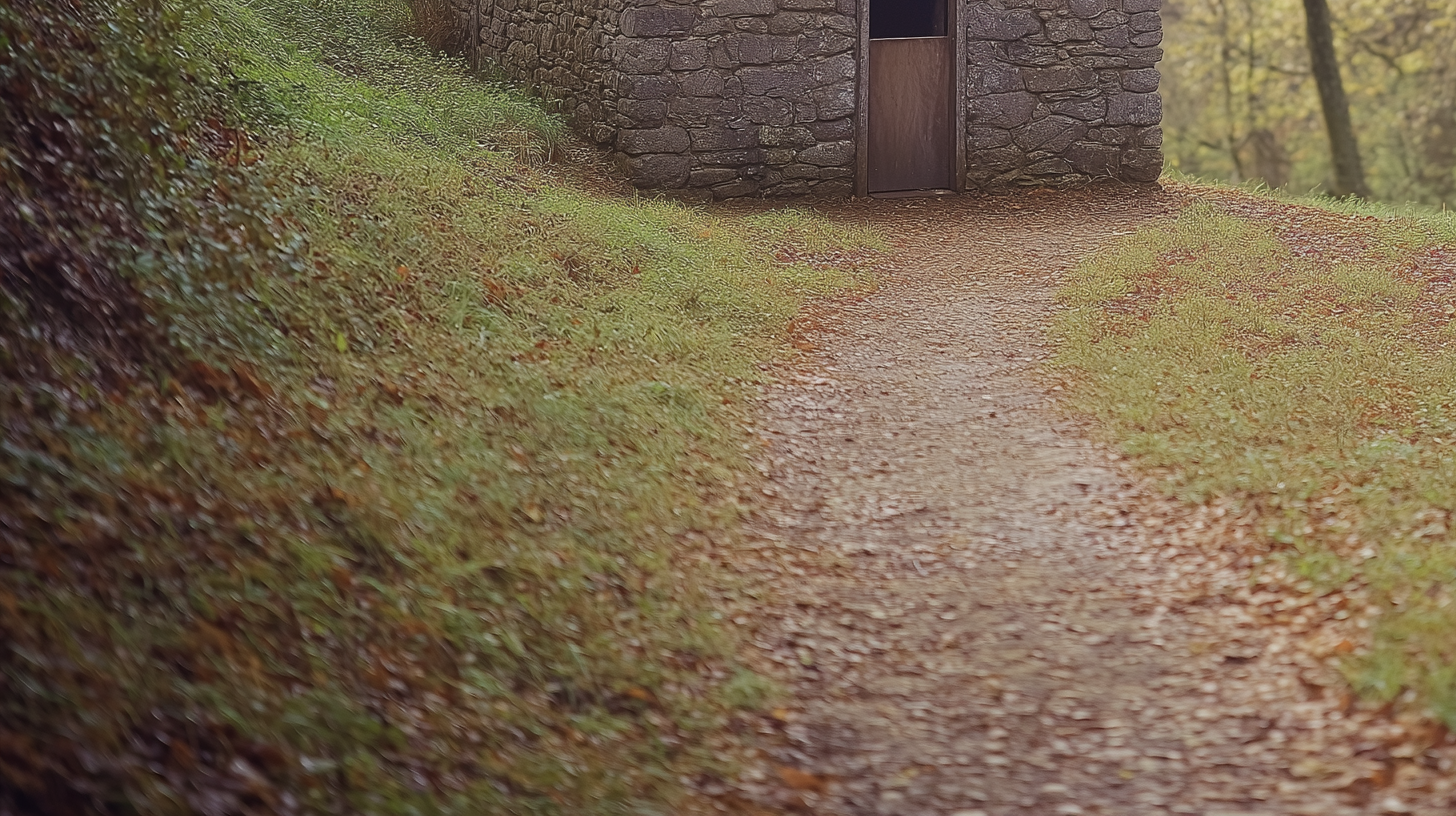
[1241,105]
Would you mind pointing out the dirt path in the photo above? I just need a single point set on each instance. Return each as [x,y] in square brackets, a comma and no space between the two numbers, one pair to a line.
[980,612]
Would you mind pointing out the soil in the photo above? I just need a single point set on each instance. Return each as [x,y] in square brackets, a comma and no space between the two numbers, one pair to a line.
[980,611]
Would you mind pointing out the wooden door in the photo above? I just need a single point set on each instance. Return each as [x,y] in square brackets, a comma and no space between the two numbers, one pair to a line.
[912,121]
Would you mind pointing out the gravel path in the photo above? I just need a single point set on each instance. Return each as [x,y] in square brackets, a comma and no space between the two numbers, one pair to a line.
[981,613]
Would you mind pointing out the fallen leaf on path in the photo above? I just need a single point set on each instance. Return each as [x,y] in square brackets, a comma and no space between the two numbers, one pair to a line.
[799,780]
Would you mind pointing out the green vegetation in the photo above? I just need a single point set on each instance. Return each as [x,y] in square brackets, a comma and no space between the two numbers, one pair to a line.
[1242,104]
[354,460]
[1436,223]
[1313,382]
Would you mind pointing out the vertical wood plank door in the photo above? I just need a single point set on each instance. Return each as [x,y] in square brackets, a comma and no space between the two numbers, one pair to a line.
[911,120]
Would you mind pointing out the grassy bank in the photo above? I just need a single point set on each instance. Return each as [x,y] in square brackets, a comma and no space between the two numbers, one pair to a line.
[355,459]
[1308,376]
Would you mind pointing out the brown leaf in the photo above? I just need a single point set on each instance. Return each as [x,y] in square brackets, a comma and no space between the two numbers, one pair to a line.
[392,390]
[638,693]
[802,781]
[210,381]
[248,380]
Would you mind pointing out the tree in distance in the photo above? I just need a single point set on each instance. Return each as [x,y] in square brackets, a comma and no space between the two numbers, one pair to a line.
[1344,149]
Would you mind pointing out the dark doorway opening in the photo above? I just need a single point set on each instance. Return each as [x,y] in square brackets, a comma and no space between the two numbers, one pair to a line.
[899,19]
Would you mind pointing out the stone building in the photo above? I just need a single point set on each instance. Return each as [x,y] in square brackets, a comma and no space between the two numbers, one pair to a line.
[725,98]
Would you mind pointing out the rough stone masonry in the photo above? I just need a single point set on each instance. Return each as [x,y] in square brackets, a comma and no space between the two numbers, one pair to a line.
[728,98]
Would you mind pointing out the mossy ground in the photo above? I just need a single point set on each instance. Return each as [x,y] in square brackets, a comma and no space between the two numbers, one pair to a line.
[355,458]
[1309,377]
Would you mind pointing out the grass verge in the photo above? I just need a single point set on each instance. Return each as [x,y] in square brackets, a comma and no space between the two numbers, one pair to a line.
[353,462]
[1309,376]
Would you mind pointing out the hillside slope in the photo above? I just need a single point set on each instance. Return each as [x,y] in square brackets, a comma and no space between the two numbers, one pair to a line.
[356,459]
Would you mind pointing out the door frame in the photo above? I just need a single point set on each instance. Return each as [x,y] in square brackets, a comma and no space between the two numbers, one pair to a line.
[862,102]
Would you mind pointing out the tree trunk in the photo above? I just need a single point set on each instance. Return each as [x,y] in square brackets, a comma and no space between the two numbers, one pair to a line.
[1344,150]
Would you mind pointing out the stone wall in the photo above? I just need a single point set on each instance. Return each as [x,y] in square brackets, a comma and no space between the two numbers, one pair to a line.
[1059,91]
[739,97]
[563,49]
[726,98]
